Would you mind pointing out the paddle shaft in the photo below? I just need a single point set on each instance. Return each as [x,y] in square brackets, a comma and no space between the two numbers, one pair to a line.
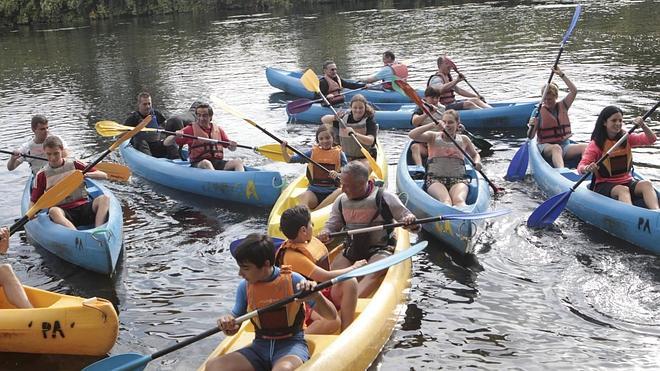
[296,106]
[470,85]
[384,226]
[421,105]
[24,155]
[210,140]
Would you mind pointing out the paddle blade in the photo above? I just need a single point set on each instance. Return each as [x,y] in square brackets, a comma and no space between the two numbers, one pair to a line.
[576,16]
[372,162]
[57,193]
[409,92]
[547,212]
[475,216]
[115,171]
[518,165]
[273,151]
[126,361]
[310,81]
[298,106]
[131,133]
[108,128]
[379,265]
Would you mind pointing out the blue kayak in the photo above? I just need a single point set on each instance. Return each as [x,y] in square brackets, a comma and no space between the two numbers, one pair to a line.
[637,225]
[96,249]
[457,234]
[398,115]
[289,82]
[252,186]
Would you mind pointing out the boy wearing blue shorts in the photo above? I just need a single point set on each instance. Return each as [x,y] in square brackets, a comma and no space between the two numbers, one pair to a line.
[279,342]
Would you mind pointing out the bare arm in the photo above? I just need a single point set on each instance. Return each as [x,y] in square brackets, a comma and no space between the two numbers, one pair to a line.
[572,89]
[421,133]
[98,174]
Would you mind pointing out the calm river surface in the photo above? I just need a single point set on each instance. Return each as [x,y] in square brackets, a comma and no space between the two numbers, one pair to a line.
[567,297]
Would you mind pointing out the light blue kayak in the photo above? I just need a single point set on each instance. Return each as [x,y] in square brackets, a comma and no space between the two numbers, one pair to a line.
[95,249]
[398,115]
[252,186]
[289,82]
[637,225]
[457,234]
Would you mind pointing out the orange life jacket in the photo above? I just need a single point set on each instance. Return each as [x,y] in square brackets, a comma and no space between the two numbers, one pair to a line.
[618,162]
[330,159]
[314,250]
[200,150]
[448,96]
[334,87]
[278,323]
[399,70]
[554,128]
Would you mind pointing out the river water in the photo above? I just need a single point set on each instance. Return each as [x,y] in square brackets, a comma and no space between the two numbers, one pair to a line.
[565,297]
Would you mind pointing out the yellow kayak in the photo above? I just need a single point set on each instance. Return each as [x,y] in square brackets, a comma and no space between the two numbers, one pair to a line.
[359,345]
[289,199]
[58,324]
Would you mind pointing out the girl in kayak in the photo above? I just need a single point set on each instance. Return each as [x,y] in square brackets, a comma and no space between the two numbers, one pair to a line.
[322,185]
[614,176]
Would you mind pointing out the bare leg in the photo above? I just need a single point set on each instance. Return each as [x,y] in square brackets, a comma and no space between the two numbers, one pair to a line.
[235,165]
[230,362]
[330,199]
[205,164]
[346,294]
[287,363]
[458,194]
[645,189]
[417,152]
[575,151]
[308,198]
[438,191]
[555,153]
[57,216]
[322,325]
[101,206]
[621,193]
[13,289]
[370,282]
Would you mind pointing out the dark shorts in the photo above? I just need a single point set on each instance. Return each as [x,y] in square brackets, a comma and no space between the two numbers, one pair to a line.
[81,215]
[354,254]
[217,164]
[458,105]
[262,354]
[448,182]
[605,188]
[320,196]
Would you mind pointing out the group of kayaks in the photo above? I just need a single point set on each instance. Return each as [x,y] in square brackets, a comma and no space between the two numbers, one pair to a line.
[98,249]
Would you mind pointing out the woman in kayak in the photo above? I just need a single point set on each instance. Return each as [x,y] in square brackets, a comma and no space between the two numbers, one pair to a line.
[614,176]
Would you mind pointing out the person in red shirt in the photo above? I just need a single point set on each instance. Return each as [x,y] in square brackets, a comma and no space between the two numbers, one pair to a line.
[75,209]
[204,154]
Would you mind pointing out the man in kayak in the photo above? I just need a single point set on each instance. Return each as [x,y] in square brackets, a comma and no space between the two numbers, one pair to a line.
[388,72]
[443,82]
[204,154]
[279,340]
[34,147]
[363,204]
[331,84]
[308,256]
[12,287]
[75,210]
[149,143]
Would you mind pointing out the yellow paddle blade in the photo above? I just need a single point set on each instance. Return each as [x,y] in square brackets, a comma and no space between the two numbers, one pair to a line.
[131,133]
[372,163]
[114,170]
[273,151]
[231,110]
[112,129]
[57,193]
[310,81]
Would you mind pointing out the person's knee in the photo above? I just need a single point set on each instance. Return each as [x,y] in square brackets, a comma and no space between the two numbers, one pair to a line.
[55,212]
[214,364]
[5,270]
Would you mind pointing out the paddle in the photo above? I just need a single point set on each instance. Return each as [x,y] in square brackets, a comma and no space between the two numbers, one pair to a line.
[410,92]
[518,165]
[233,111]
[311,83]
[303,104]
[135,361]
[546,213]
[471,216]
[453,66]
[114,170]
[480,142]
[69,184]
[112,128]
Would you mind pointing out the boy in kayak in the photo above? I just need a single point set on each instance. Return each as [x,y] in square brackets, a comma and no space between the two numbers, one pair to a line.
[204,154]
[447,87]
[75,210]
[388,72]
[279,340]
[12,287]
[309,257]
[34,147]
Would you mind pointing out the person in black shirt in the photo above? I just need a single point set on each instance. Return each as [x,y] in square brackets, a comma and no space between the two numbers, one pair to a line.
[149,143]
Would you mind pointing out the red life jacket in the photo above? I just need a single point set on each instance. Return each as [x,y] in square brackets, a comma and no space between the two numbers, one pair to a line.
[200,150]
[314,250]
[618,162]
[334,87]
[446,97]
[330,159]
[554,128]
[399,70]
[278,323]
